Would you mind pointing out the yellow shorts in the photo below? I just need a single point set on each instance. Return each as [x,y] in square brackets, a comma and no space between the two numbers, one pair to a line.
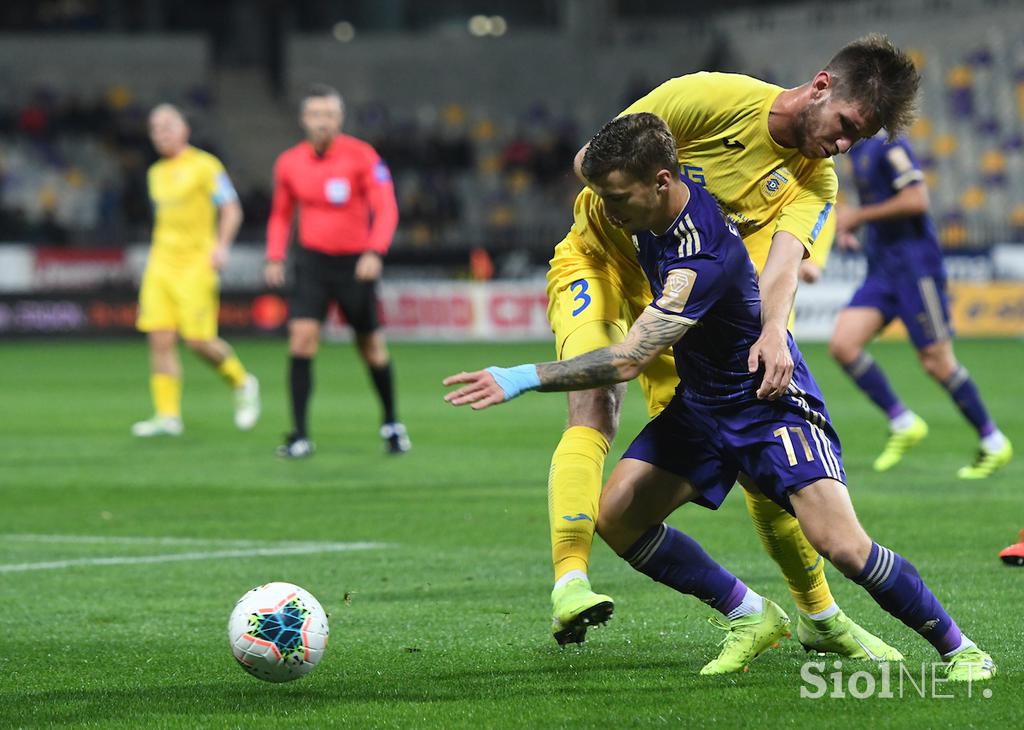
[589,312]
[186,300]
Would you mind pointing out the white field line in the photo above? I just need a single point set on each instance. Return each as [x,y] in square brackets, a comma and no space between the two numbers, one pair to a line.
[121,540]
[267,550]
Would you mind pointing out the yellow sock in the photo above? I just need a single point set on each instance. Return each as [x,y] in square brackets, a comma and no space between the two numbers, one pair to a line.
[233,371]
[784,541]
[574,489]
[166,391]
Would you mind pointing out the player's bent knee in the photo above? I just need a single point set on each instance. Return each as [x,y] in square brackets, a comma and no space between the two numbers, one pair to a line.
[848,553]
[611,530]
[303,343]
[843,351]
[163,340]
[598,409]
[938,362]
[611,517]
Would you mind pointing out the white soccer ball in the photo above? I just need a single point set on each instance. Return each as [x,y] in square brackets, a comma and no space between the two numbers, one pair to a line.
[278,632]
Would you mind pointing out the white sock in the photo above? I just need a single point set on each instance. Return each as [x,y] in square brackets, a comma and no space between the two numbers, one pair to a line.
[751,603]
[995,441]
[571,575]
[822,615]
[965,643]
[903,421]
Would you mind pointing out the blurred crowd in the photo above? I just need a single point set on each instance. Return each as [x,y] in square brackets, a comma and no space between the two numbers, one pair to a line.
[72,169]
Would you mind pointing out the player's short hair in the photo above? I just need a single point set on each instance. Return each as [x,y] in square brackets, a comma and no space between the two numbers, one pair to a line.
[166,106]
[881,77]
[320,91]
[639,144]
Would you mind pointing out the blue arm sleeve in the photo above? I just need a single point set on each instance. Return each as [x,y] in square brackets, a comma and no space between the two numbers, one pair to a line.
[224,191]
[515,381]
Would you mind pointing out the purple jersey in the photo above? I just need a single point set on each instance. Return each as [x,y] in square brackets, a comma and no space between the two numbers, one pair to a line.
[901,245]
[701,274]
[715,427]
[906,278]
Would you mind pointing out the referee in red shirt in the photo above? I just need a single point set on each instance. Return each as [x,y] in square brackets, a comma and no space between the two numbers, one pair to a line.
[347,216]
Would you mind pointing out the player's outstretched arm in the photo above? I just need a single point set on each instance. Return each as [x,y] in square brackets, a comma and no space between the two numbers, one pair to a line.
[649,336]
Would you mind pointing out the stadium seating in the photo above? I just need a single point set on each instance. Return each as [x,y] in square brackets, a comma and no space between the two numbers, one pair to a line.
[481,153]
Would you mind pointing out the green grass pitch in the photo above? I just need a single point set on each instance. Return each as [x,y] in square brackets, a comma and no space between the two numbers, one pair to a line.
[446,624]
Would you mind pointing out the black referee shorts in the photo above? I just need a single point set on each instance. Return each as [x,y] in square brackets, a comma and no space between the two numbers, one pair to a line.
[318,279]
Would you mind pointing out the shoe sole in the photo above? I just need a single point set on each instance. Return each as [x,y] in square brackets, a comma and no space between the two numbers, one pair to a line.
[1015,560]
[866,657]
[575,632]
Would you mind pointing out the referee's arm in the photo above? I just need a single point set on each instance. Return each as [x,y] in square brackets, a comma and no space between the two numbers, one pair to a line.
[279,228]
[384,220]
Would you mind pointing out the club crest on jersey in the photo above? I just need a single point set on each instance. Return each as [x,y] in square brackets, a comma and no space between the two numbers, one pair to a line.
[677,290]
[777,179]
[337,190]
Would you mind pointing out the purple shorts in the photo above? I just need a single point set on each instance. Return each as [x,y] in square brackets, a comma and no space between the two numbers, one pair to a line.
[783,445]
[921,303]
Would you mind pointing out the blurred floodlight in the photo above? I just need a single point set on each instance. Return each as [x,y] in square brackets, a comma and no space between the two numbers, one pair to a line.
[479,25]
[498,25]
[343,31]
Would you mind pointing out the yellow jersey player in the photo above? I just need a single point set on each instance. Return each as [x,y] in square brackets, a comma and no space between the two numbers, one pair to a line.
[196,217]
[763,152]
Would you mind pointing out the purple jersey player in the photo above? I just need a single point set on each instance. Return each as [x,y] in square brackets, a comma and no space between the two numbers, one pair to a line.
[906,280]
[707,307]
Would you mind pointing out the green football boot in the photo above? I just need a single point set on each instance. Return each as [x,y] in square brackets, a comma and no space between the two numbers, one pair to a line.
[574,608]
[987,462]
[839,634]
[747,638]
[970,665]
[899,443]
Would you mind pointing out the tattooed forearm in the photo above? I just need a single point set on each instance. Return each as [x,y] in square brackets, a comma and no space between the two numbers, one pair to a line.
[590,370]
[648,338]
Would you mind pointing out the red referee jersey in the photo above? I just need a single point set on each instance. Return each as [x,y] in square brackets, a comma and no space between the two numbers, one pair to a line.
[345,196]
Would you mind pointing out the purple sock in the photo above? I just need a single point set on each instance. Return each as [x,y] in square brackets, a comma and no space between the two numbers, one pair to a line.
[896,586]
[965,394]
[870,378]
[670,557]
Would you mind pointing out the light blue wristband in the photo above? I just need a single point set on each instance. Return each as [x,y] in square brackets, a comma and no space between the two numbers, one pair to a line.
[516,381]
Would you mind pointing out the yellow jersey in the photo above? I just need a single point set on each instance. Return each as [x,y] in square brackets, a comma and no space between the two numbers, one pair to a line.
[720,124]
[186,190]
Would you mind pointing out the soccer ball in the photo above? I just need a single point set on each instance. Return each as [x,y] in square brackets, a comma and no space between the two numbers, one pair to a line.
[278,632]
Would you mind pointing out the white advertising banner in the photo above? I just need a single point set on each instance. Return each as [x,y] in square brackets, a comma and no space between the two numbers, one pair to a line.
[454,311]
[817,306]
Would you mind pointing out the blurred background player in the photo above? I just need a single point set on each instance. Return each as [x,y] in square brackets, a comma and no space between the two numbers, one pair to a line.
[347,217]
[906,279]
[762,152]
[196,217]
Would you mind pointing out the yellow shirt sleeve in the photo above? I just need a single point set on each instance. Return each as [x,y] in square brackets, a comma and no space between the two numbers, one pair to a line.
[808,214]
[827,237]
